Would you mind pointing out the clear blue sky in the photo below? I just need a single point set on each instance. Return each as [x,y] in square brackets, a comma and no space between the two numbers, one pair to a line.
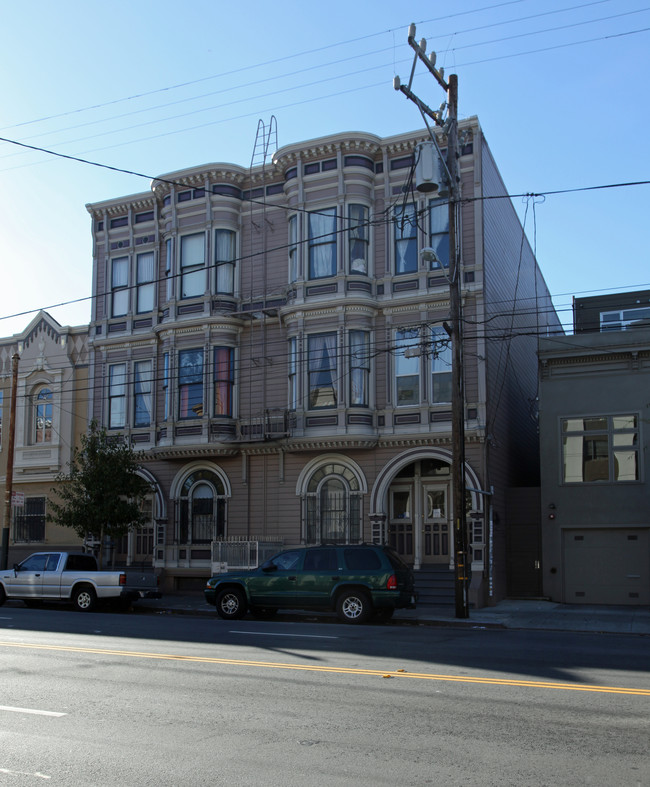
[560,88]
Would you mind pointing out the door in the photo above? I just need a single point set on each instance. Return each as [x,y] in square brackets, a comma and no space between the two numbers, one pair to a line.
[27,580]
[279,586]
[401,521]
[320,573]
[436,531]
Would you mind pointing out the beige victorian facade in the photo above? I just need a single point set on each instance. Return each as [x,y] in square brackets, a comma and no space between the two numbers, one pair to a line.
[52,407]
[274,341]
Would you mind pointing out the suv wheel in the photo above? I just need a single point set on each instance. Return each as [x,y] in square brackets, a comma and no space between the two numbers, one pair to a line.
[353,606]
[231,604]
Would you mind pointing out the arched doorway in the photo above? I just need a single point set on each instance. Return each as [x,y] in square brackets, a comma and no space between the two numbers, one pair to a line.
[411,506]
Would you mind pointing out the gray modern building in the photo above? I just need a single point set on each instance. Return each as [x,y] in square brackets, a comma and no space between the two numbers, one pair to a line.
[595,492]
[274,342]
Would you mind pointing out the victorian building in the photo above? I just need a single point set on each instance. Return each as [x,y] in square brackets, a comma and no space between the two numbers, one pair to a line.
[52,409]
[274,341]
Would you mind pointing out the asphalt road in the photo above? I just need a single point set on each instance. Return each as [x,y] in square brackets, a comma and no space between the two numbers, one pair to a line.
[119,699]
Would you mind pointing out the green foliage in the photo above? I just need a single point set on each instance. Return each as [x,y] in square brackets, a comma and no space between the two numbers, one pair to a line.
[102,494]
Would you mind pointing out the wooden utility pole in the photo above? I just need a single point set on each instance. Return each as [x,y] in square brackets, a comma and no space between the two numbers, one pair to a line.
[450,125]
[6,524]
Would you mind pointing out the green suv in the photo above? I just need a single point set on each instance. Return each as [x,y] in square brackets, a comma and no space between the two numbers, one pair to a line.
[358,581]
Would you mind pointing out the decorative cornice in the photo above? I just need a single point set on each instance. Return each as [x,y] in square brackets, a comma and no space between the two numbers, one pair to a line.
[187,452]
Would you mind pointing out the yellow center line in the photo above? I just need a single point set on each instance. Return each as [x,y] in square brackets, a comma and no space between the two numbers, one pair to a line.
[537,684]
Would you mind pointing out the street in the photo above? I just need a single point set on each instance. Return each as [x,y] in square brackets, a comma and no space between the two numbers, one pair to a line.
[136,699]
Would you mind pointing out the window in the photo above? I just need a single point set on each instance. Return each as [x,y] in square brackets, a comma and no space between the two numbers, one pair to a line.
[29,524]
[439,232]
[224,261]
[117,396]
[293,249]
[406,239]
[192,265]
[440,365]
[601,449]
[322,243]
[407,367]
[43,416]
[144,275]
[223,380]
[332,505]
[190,384]
[358,239]
[169,268]
[119,286]
[165,386]
[322,371]
[359,368]
[122,221]
[142,217]
[202,508]
[293,373]
[625,319]
[1,407]
[142,393]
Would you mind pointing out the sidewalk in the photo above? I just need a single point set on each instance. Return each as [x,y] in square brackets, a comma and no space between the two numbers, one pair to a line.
[510,614]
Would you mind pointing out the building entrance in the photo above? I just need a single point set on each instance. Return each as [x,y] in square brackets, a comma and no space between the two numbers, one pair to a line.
[419,513]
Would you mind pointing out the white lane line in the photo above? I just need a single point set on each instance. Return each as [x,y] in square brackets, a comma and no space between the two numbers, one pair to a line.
[32,710]
[6,618]
[25,773]
[268,634]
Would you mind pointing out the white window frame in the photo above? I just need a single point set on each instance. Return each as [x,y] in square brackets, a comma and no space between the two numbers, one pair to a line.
[192,272]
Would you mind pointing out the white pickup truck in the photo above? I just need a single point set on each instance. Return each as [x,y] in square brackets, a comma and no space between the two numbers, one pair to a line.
[75,578]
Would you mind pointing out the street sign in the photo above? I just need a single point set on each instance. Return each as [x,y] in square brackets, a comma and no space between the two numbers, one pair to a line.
[18,499]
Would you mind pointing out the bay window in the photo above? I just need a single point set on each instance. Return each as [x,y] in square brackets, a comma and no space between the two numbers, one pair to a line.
[223,380]
[440,354]
[119,286]
[192,265]
[142,393]
[190,383]
[144,275]
[358,243]
[322,243]
[407,367]
[224,261]
[359,368]
[322,371]
[117,396]
[439,232]
[406,239]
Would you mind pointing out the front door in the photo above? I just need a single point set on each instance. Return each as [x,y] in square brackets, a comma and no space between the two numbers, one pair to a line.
[401,531]
[435,542]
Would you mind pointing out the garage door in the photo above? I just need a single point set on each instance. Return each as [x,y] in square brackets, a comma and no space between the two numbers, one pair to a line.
[607,566]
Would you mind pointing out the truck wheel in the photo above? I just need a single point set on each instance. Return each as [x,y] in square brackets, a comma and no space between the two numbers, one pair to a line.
[84,598]
[231,604]
[3,596]
[353,606]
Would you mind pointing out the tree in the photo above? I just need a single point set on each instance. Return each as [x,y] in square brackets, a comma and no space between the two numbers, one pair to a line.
[102,494]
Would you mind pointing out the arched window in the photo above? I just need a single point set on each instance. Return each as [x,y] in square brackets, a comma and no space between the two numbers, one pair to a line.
[202,508]
[43,416]
[333,505]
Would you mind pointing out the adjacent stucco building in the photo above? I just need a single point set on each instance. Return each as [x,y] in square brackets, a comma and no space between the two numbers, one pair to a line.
[594,405]
[52,409]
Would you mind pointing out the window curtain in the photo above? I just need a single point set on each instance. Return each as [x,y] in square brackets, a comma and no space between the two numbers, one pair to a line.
[143,399]
[190,384]
[405,240]
[224,253]
[358,235]
[223,380]
[359,368]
